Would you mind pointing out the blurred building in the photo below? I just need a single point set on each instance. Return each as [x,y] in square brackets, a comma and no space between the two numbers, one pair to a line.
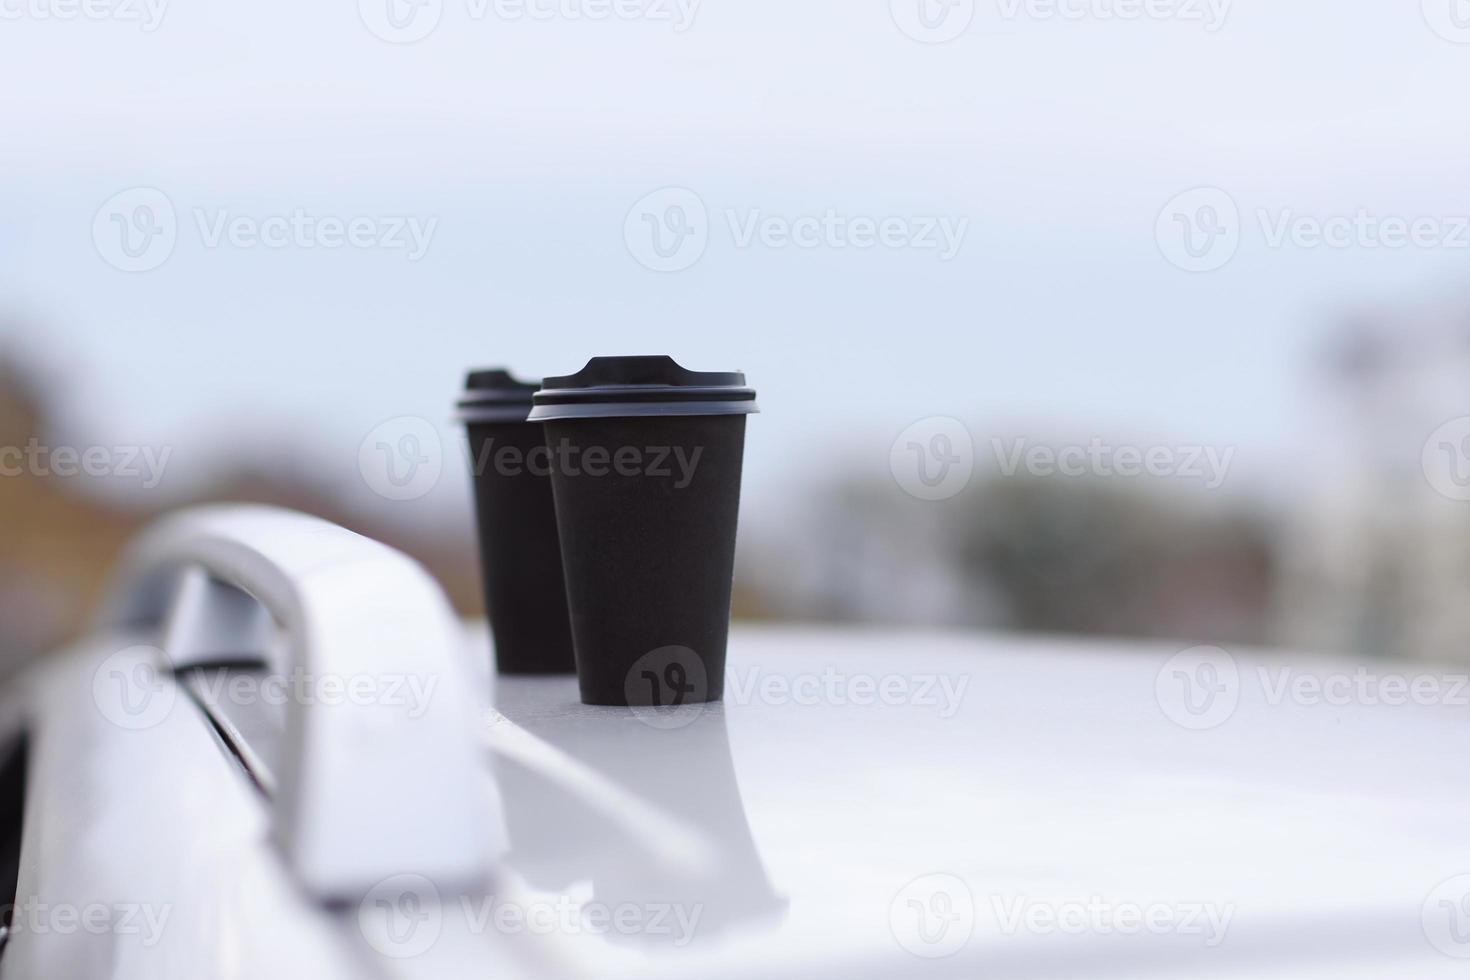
[1377,560]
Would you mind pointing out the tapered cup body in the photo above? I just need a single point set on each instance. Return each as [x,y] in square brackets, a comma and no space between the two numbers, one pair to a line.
[648,550]
[646,461]
[520,558]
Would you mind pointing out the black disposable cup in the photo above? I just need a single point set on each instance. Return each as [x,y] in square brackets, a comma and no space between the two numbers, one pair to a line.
[645,468]
[520,561]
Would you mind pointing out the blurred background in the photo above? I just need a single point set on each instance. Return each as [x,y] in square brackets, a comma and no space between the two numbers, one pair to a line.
[1085,318]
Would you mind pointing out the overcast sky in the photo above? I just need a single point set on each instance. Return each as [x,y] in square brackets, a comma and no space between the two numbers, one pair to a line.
[518,145]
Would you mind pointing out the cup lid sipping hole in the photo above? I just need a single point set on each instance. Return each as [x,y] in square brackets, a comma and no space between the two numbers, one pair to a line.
[495,395]
[631,387]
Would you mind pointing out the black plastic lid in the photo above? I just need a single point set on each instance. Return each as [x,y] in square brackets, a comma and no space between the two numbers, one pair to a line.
[632,387]
[495,396]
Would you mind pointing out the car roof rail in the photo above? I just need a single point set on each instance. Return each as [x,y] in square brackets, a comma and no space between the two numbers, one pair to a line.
[370,788]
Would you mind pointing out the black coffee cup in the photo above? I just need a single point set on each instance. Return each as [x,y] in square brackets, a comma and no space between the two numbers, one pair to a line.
[520,561]
[645,468]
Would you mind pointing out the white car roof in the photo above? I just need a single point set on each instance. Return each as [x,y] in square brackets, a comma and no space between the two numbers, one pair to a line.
[862,804]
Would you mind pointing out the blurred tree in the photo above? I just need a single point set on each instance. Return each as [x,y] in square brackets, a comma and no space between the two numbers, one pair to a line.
[1051,555]
[1090,556]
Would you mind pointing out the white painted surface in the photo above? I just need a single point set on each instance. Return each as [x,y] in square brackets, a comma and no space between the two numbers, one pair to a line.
[795,818]
[1321,831]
